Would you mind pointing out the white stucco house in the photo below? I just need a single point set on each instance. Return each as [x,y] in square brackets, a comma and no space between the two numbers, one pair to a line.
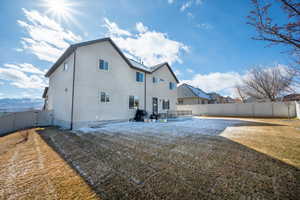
[94,82]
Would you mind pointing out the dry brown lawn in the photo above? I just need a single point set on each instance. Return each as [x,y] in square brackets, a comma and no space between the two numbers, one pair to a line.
[256,160]
[30,169]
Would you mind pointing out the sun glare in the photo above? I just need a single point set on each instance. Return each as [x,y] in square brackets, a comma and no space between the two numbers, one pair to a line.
[60,9]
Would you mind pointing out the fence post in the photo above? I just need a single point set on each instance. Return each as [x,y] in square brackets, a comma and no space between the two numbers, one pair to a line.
[272,109]
[14,121]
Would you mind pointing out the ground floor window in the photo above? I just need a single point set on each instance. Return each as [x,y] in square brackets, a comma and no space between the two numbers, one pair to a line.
[133,102]
[104,97]
[180,102]
[166,104]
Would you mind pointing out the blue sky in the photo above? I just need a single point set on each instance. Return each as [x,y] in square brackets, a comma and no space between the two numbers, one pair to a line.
[207,42]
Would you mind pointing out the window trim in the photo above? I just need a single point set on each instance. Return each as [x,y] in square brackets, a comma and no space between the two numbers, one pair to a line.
[106,67]
[64,66]
[166,104]
[172,86]
[138,76]
[104,97]
[135,99]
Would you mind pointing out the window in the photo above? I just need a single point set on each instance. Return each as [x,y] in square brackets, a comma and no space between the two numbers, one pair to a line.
[155,79]
[104,97]
[139,77]
[161,80]
[180,102]
[166,104]
[172,86]
[103,65]
[65,66]
[133,102]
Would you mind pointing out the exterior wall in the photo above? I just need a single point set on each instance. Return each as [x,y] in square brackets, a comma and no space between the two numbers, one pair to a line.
[160,90]
[268,109]
[60,93]
[192,101]
[119,82]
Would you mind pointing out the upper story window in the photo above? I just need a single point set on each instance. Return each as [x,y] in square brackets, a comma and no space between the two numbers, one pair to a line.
[139,77]
[172,86]
[133,102]
[104,97]
[103,65]
[155,79]
[65,68]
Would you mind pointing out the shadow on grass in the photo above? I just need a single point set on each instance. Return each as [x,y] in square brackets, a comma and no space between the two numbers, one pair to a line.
[122,166]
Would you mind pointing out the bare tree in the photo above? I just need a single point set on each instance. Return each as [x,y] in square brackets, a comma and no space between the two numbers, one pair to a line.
[268,83]
[286,33]
[240,92]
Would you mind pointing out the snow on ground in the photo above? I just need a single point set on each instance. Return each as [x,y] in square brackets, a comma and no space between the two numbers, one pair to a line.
[174,127]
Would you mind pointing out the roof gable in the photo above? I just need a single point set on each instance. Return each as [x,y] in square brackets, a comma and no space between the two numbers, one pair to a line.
[131,63]
[190,91]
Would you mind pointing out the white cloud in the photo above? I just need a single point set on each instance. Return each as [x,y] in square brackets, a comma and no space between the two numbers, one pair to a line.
[223,83]
[199,2]
[151,46]
[25,67]
[16,76]
[171,1]
[113,28]
[186,5]
[19,49]
[46,38]
[204,26]
[189,14]
[190,70]
[177,72]
[141,28]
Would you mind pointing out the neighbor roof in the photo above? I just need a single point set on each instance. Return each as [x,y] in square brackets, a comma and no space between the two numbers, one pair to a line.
[132,63]
[191,92]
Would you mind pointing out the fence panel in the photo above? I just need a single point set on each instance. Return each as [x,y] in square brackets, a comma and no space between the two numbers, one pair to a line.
[268,109]
[21,120]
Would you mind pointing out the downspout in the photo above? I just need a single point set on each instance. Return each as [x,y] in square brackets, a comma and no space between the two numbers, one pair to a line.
[145,90]
[73,84]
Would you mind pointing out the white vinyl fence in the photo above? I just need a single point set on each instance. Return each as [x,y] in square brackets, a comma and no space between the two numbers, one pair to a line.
[268,109]
[20,120]
[297,109]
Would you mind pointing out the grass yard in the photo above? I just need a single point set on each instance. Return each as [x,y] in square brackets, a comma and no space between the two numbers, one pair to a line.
[224,159]
[30,169]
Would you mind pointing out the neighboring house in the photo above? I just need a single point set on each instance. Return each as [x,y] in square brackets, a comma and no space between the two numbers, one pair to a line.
[93,81]
[215,98]
[228,99]
[291,97]
[255,100]
[188,95]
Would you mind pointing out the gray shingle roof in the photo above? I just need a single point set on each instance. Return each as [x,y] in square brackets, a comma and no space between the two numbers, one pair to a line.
[186,90]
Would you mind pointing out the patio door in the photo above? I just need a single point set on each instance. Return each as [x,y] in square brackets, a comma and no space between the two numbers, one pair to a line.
[155,105]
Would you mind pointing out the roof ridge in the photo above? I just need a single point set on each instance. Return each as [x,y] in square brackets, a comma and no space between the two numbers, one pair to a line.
[73,47]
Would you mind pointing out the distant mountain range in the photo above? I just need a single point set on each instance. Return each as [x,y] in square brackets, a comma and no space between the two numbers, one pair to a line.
[23,104]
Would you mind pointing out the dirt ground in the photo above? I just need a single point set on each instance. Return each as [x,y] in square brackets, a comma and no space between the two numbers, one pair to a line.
[30,169]
[259,159]
[255,160]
